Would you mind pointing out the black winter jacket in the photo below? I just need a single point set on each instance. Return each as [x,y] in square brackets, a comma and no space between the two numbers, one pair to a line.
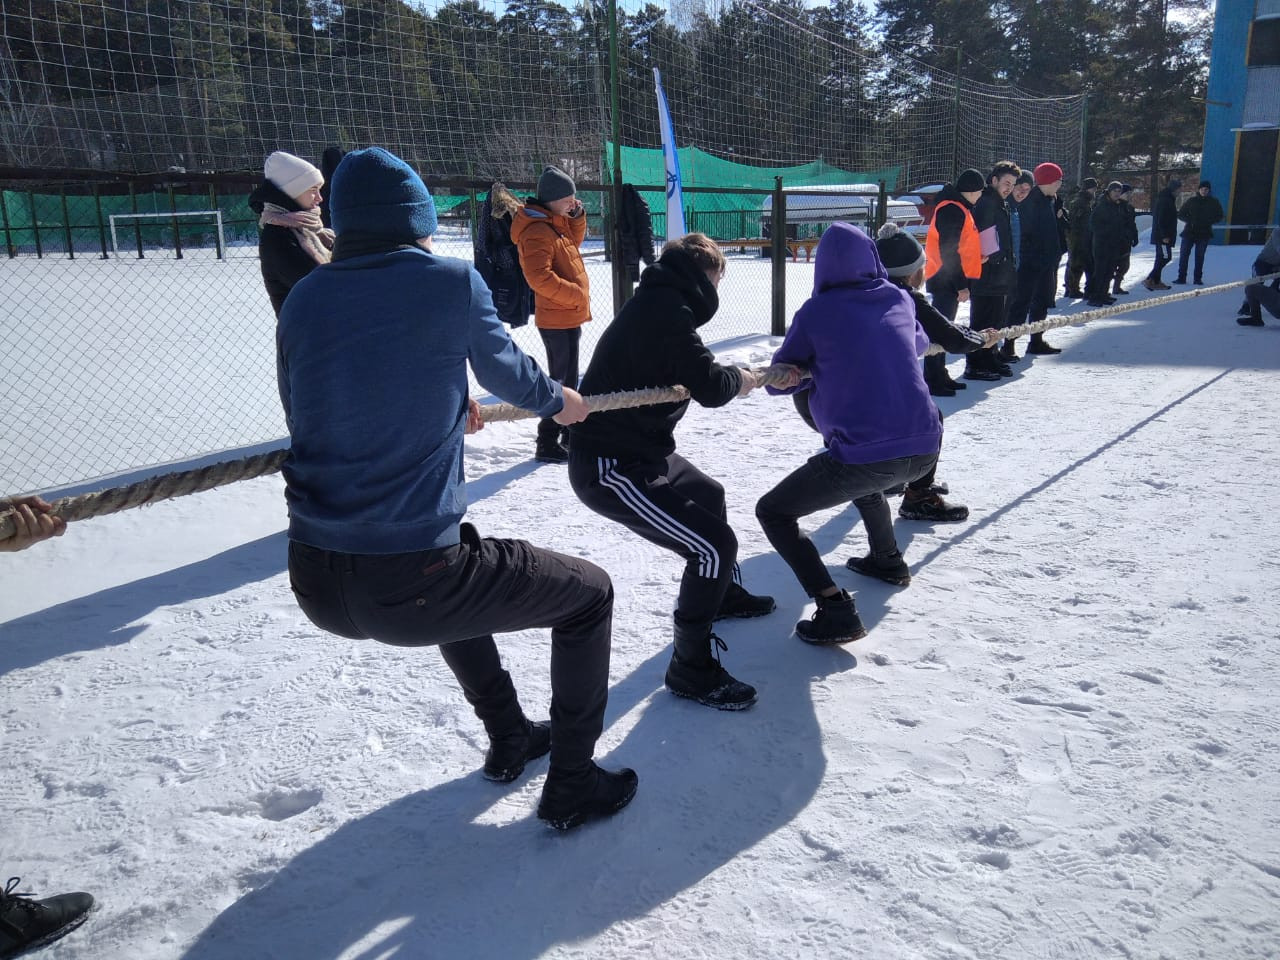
[1200,213]
[951,337]
[1041,238]
[1164,217]
[654,342]
[999,275]
[497,260]
[283,260]
[1080,229]
[1111,228]
[635,231]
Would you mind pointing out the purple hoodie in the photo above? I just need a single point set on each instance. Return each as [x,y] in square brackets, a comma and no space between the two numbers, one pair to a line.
[858,337]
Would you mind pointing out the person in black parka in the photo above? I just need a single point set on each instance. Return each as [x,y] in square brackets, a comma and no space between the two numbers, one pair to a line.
[1200,213]
[1164,230]
[292,240]
[989,294]
[497,258]
[623,463]
[635,231]
[1110,226]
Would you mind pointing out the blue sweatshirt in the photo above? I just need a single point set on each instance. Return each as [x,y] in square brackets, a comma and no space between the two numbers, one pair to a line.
[372,358]
[858,337]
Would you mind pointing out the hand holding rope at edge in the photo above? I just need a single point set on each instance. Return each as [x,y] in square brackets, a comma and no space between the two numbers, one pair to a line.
[170,485]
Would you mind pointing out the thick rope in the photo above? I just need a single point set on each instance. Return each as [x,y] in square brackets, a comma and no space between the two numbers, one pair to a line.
[170,485]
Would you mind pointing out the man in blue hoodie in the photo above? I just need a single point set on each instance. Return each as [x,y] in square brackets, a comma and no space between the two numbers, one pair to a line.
[372,353]
[859,339]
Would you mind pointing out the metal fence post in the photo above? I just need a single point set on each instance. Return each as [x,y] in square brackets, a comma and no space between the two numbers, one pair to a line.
[137,227]
[177,237]
[102,229]
[778,255]
[8,234]
[213,205]
[66,223]
[35,224]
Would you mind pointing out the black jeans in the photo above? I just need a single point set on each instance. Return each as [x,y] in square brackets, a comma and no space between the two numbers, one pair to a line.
[457,598]
[562,366]
[946,301]
[1184,255]
[675,505]
[1037,292]
[824,482]
[1164,256]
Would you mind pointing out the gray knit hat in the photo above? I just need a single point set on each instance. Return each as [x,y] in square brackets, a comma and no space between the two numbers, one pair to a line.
[555,184]
[899,251]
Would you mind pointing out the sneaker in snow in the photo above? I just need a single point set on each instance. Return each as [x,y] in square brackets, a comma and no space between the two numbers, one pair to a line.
[26,923]
[893,571]
[506,757]
[739,603]
[571,799]
[932,509]
[835,621]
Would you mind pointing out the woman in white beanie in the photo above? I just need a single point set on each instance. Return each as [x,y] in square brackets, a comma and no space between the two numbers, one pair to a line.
[292,239]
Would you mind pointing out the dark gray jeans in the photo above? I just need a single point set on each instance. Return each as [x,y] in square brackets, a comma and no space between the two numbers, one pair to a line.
[457,598]
[825,482]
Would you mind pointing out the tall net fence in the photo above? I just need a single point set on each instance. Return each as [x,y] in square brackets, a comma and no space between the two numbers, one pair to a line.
[153,342]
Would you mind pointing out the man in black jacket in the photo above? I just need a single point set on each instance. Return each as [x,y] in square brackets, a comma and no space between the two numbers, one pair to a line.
[623,464]
[1200,212]
[1039,256]
[953,262]
[1079,239]
[1164,230]
[989,294]
[1109,224]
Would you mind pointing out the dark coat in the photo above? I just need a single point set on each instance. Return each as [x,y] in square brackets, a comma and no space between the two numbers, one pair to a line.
[999,275]
[635,231]
[949,222]
[283,260]
[498,261]
[1111,229]
[1041,239]
[654,342]
[950,336]
[1164,217]
[1080,226]
[1200,213]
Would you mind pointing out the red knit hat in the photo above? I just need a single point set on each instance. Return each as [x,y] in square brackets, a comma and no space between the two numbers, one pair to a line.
[1048,173]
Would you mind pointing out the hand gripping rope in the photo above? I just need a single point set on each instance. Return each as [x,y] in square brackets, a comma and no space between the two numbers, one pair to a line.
[170,485]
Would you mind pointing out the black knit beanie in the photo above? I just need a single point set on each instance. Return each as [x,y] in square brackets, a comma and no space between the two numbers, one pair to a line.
[900,252]
[970,181]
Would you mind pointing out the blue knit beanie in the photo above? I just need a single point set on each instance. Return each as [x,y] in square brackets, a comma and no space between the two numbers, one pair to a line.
[376,193]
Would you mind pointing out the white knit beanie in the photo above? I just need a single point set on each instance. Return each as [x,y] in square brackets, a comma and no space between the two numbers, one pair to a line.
[293,175]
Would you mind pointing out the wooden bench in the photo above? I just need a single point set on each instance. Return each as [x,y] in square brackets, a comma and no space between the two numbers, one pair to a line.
[764,243]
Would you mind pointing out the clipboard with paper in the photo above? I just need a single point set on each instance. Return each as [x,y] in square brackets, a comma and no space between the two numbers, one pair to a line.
[989,240]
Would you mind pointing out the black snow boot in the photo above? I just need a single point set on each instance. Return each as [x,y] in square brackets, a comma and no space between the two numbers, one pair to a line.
[835,621]
[889,569]
[506,757]
[26,923]
[1041,346]
[571,798]
[931,508]
[739,603]
[697,675]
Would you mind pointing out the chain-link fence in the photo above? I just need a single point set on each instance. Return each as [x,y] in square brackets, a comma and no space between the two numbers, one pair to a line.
[157,345]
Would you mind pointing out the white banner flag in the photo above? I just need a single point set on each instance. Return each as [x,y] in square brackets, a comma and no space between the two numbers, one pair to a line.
[675,198]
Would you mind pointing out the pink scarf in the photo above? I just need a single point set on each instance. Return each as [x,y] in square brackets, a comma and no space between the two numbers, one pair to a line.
[315,238]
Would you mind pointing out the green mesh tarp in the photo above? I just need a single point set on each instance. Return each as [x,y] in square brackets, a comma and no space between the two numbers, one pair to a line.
[726,215]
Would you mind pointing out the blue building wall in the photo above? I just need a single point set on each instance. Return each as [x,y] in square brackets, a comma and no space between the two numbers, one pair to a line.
[1224,115]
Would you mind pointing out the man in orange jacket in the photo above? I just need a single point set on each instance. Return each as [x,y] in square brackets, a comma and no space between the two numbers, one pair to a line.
[547,232]
[953,257]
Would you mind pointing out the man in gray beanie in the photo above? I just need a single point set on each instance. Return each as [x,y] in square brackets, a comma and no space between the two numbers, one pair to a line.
[548,232]
[372,355]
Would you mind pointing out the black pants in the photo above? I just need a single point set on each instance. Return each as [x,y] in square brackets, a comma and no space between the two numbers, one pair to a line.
[1258,295]
[986,311]
[457,598]
[1122,267]
[675,505]
[562,366]
[1037,293]
[824,482]
[1079,268]
[1104,269]
[946,302]
[1184,255]
[1164,256]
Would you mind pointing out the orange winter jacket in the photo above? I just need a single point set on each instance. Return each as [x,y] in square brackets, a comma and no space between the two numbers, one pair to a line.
[548,246]
[969,247]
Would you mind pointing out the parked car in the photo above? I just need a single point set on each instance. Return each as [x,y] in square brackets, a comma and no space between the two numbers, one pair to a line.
[810,210]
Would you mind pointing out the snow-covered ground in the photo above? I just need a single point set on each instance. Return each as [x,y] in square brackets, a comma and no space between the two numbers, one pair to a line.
[1060,741]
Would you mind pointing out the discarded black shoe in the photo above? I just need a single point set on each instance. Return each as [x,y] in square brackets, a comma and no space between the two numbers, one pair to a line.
[835,621]
[506,757]
[26,923]
[571,799]
[932,509]
[739,603]
[891,570]
[706,681]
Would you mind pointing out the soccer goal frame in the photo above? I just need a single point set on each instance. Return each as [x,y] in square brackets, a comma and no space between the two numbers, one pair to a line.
[172,215]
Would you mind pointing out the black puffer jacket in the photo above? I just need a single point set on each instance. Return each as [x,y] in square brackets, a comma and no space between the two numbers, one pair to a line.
[283,260]
[1112,230]
[635,231]
[999,274]
[1200,213]
[1164,217]
[654,342]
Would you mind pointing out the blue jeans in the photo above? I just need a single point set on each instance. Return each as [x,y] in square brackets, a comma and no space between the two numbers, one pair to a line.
[826,482]
[1184,255]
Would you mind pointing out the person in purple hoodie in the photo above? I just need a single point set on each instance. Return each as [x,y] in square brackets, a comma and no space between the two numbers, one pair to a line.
[858,337]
